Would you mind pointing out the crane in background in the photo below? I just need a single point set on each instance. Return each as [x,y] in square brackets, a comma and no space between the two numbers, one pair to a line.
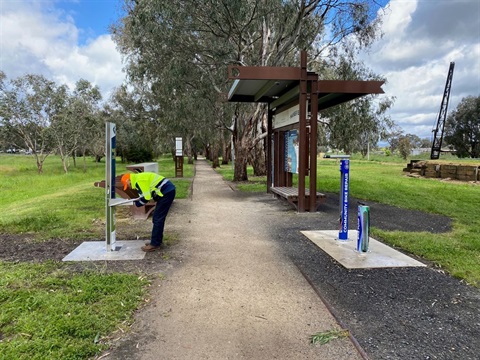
[442,117]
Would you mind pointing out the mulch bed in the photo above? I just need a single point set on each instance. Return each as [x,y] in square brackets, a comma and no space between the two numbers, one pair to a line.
[394,313]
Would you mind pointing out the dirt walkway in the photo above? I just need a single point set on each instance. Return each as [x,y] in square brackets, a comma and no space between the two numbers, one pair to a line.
[235,295]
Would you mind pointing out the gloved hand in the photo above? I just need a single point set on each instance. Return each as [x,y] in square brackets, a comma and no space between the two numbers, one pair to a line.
[155,196]
[140,202]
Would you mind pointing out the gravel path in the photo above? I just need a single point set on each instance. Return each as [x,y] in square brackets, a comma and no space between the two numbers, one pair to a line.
[235,295]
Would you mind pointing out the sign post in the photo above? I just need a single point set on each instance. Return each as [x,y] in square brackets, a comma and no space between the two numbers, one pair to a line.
[344,197]
[178,157]
[344,193]
[110,165]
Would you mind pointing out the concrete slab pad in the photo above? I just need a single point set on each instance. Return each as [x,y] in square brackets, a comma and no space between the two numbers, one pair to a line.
[345,252]
[96,250]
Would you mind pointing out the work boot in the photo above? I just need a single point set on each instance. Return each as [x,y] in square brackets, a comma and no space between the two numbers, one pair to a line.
[150,248]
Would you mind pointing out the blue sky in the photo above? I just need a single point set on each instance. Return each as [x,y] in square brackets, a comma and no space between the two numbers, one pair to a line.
[69,40]
[93,17]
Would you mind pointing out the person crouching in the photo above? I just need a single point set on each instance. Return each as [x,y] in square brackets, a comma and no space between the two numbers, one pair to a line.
[157,187]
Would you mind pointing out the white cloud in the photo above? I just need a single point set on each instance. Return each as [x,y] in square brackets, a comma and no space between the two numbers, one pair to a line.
[421,39]
[37,38]
[97,62]
[398,16]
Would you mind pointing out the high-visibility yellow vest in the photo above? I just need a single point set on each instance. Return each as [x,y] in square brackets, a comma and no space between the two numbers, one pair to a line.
[146,183]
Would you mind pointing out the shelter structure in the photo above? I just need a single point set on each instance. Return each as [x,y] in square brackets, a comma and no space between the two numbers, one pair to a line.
[294,97]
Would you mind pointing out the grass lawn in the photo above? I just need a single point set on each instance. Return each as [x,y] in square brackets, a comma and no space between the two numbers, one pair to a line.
[48,312]
[382,180]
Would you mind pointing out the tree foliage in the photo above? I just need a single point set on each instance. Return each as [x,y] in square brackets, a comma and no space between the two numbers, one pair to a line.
[28,105]
[462,128]
[181,50]
[404,147]
[353,126]
[73,126]
[39,115]
[405,142]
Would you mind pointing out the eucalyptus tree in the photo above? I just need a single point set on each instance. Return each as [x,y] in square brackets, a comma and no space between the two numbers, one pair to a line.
[7,139]
[28,104]
[393,137]
[144,127]
[97,143]
[462,128]
[354,126]
[87,110]
[405,147]
[212,34]
[73,125]
[131,114]
[414,140]
[194,118]
[187,103]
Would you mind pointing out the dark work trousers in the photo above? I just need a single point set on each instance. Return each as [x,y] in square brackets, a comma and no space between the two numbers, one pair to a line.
[159,215]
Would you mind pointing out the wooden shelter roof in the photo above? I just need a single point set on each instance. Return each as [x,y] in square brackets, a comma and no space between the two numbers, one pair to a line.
[280,85]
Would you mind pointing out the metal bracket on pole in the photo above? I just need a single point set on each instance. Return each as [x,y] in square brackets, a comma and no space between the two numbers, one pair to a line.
[336,156]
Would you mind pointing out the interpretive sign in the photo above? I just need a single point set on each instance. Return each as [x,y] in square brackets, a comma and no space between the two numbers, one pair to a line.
[287,117]
[178,146]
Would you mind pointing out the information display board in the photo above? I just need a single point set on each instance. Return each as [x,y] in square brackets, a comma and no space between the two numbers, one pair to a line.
[178,146]
[287,117]
[291,151]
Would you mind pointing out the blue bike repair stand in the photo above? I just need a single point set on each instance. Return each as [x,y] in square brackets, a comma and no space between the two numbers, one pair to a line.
[344,194]
[352,254]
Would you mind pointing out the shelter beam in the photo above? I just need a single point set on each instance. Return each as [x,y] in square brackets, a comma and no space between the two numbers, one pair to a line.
[292,94]
[263,73]
[268,85]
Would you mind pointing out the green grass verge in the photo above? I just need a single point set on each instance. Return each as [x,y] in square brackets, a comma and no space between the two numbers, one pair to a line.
[50,313]
[382,180]
[59,205]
